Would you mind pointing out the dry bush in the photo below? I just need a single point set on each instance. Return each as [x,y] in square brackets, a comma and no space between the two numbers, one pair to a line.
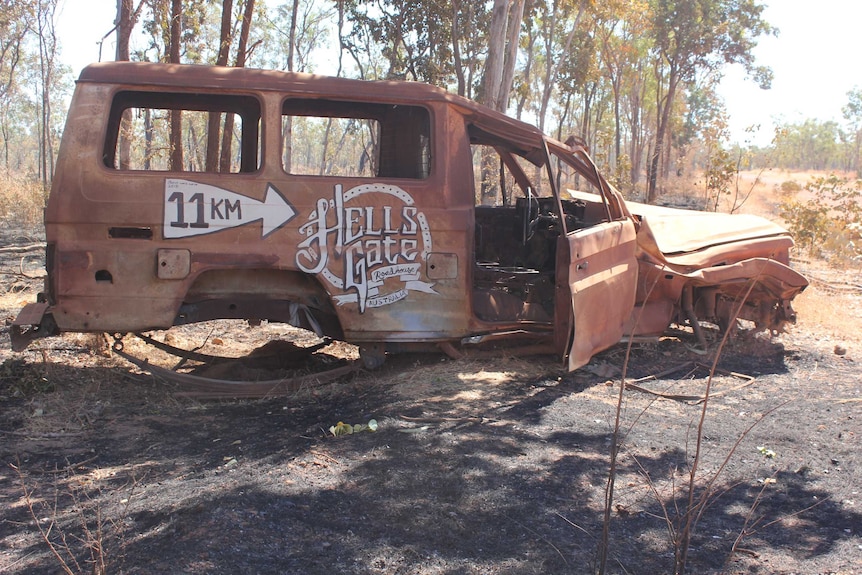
[825,221]
[83,536]
[790,187]
[22,200]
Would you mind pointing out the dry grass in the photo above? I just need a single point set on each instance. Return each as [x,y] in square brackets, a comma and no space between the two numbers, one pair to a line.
[22,200]
[831,307]
[770,188]
[836,314]
[832,315]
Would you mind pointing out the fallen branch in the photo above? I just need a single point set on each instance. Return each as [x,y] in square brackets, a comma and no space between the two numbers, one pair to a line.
[21,249]
[692,398]
[42,436]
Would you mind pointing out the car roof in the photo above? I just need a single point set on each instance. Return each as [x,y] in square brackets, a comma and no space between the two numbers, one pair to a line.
[520,134]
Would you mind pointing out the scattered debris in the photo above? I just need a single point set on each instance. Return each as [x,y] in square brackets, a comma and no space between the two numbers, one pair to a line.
[342,428]
[766,452]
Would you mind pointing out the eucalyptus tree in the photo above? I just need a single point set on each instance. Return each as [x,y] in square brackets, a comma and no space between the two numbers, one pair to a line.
[242,53]
[560,24]
[619,28]
[810,144]
[470,20]
[694,37]
[413,37]
[47,42]
[298,30]
[16,23]
[175,30]
[852,112]
[214,119]
[499,67]
[128,15]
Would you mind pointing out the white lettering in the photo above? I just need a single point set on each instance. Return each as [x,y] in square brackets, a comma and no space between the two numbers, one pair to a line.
[370,252]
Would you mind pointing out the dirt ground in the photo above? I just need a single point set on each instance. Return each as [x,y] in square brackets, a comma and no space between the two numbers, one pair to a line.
[494,465]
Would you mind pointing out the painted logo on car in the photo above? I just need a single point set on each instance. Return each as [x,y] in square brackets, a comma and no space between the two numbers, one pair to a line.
[358,248]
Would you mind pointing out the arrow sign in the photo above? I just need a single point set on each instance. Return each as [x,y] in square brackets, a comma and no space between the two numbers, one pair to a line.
[193,209]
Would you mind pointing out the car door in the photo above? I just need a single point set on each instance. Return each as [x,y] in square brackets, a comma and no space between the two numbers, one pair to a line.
[600,276]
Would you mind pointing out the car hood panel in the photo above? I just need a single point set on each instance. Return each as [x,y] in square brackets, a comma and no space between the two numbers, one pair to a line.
[678,231]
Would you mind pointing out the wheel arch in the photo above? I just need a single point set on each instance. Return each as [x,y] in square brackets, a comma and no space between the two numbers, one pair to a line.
[285,296]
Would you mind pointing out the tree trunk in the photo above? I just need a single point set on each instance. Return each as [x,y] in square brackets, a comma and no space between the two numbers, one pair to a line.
[493,75]
[214,118]
[495,92]
[291,37]
[47,55]
[528,71]
[174,58]
[552,68]
[516,15]
[636,147]
[456,48]
[127,17]
[148,139]
[241,53]
[287,144]
[664,108]
[615,83]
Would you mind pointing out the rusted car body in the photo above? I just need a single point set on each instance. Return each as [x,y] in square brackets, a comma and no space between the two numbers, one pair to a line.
[391,215]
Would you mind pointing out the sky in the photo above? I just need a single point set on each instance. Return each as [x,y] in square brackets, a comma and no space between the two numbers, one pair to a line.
[815,59]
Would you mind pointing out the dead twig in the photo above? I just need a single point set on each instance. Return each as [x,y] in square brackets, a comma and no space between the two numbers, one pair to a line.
[24,274]
[673,396]
[661,374]
[694,399]
[616,442]
[588,534]
[325,456]
[45,533]
[540,536]
[745,531]
[74,466]
[694,509]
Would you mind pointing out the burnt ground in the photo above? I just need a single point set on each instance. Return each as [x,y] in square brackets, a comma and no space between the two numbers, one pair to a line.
[486,465]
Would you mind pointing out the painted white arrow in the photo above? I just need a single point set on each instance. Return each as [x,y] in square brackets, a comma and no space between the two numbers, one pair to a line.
[193,209]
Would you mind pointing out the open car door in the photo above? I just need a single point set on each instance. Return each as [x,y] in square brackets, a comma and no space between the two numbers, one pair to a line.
[597,271]
[602,281]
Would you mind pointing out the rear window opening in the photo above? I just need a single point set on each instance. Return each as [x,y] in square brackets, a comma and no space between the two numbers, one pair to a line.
[217,133]
[350,139]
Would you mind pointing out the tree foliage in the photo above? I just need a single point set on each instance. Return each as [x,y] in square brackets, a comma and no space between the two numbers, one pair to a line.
[32,81]
[693,38]
[809,145]
[636,79]
[852,112]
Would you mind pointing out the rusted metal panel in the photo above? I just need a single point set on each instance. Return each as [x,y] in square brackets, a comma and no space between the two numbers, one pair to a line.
[173,264]
[31,314]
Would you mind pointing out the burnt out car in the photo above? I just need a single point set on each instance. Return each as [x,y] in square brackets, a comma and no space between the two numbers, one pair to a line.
[392,215]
